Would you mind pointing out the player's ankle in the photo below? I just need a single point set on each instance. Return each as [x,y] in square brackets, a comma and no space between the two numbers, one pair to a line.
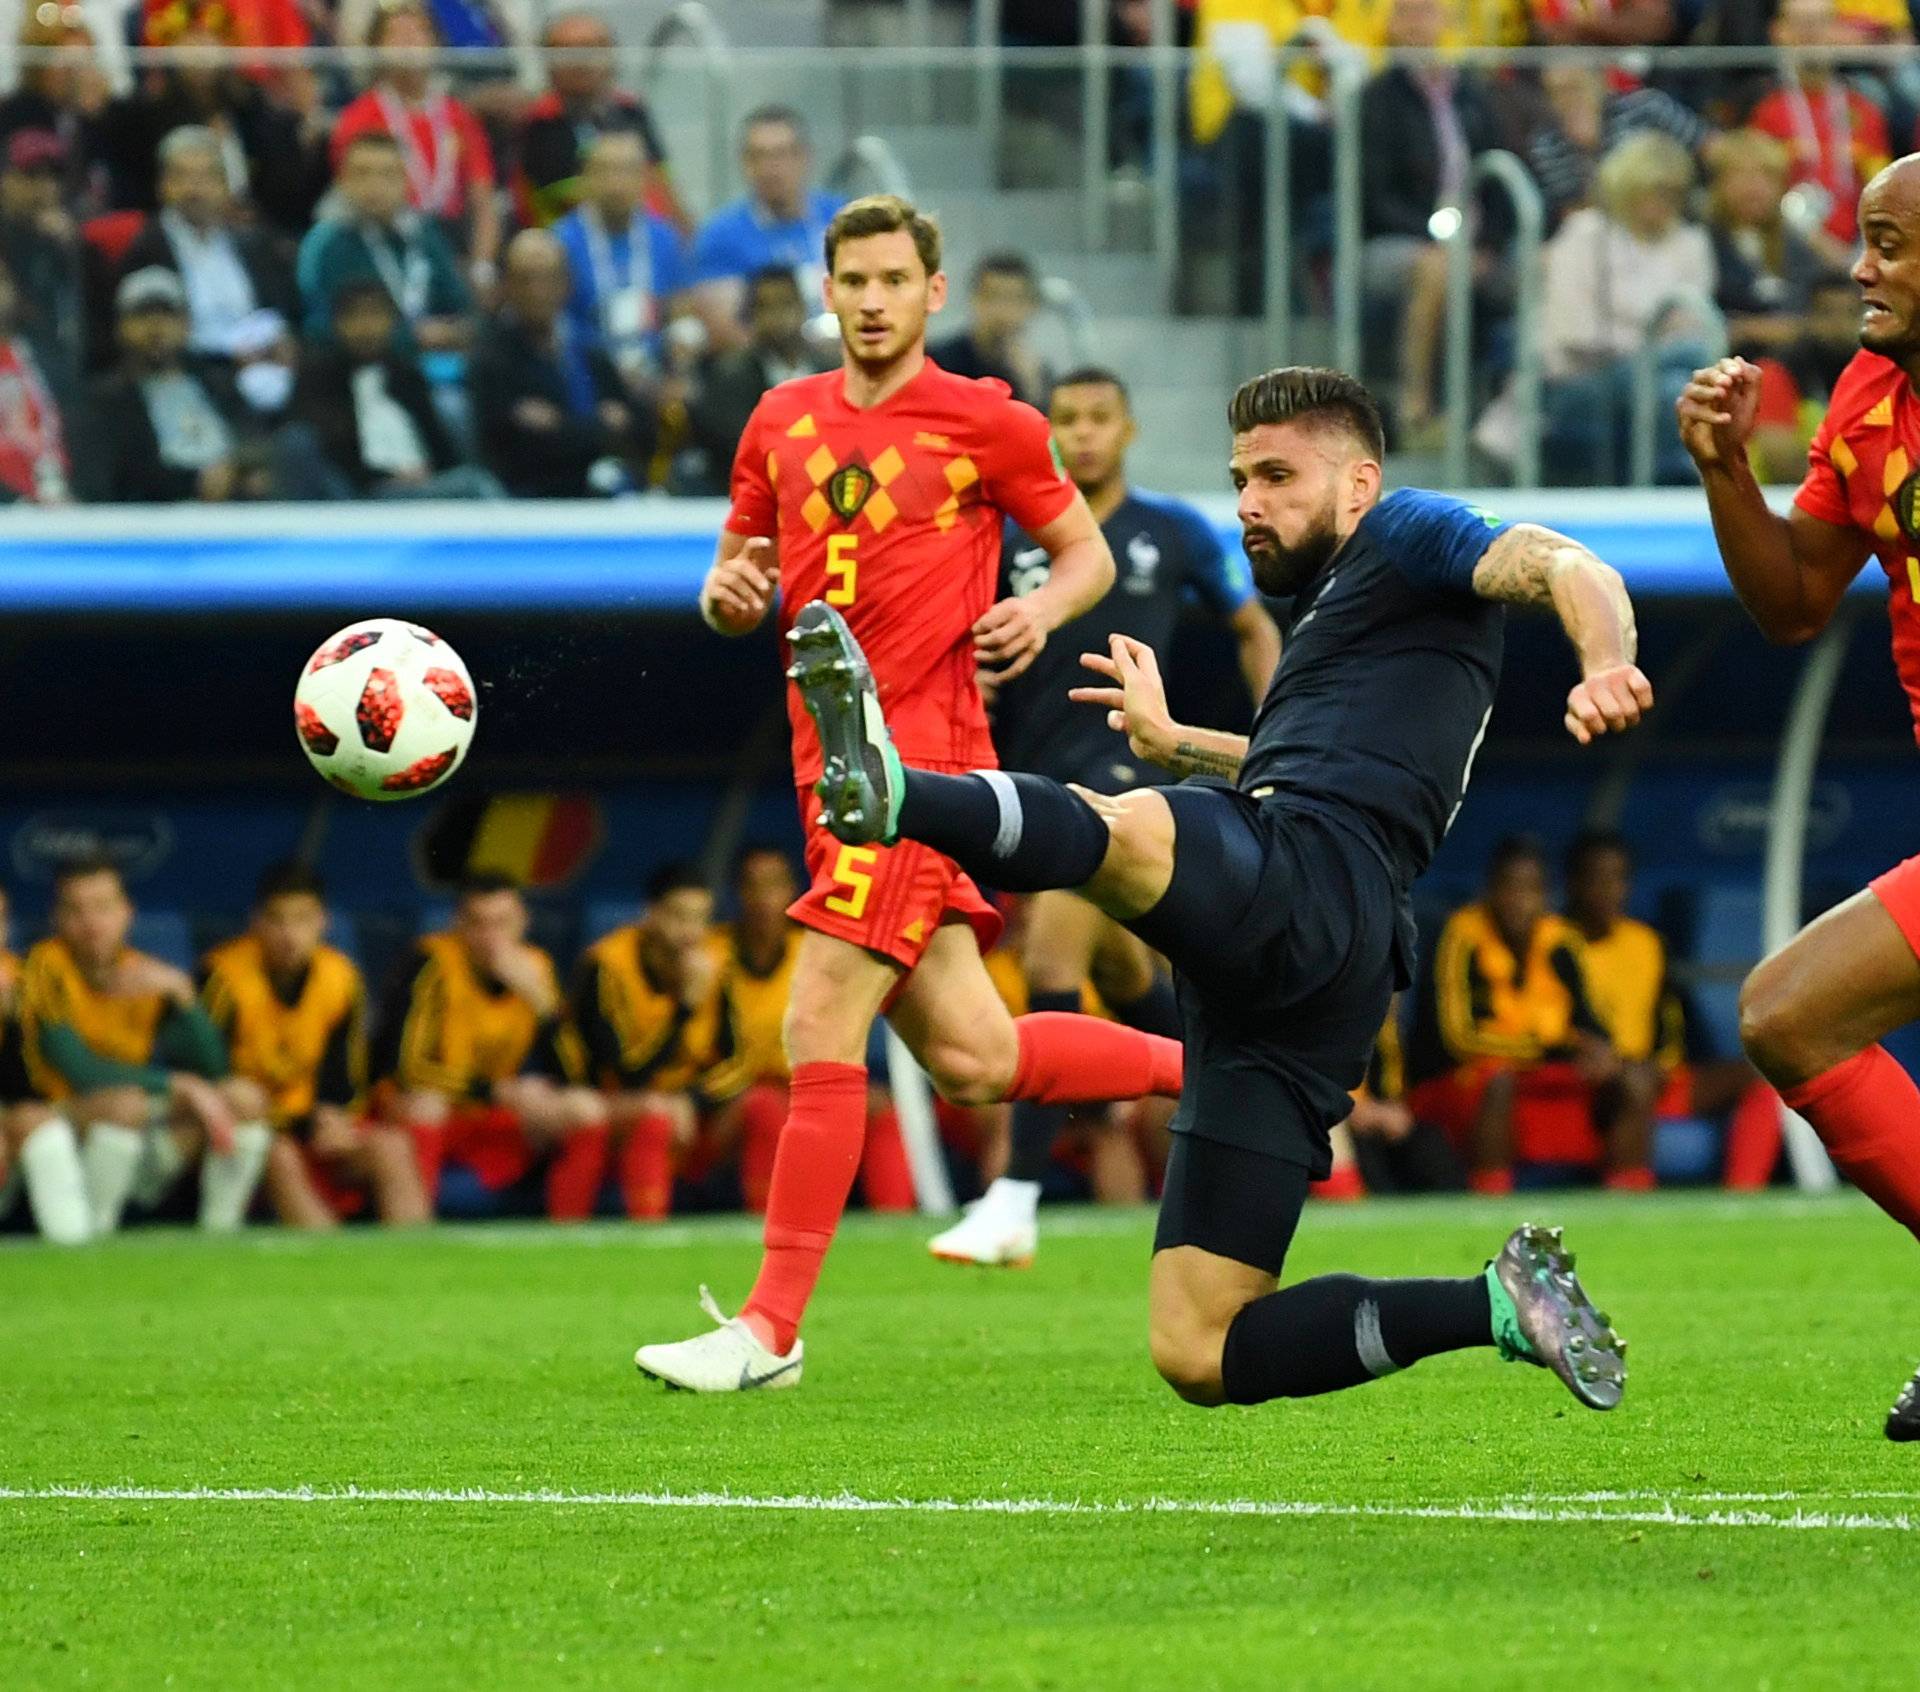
[768,1332]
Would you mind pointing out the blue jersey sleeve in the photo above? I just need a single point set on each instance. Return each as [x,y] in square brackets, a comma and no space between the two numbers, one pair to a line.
[1222,581]
[1433,538]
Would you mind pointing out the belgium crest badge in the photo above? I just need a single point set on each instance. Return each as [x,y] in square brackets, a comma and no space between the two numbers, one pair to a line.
[848,488]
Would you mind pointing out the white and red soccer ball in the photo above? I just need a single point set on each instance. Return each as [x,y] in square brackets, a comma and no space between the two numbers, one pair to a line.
[385,709]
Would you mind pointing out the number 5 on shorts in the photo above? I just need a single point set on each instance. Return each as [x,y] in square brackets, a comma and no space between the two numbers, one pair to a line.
[851,870]
[843,568]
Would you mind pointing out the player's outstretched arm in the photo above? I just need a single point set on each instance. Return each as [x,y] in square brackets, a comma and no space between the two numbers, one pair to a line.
[1014,631]
[1135,700]
[1789,572]
[1531,565]
[739,589]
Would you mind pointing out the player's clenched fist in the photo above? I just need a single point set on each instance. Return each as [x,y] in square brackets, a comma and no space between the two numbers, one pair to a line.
[1009,637]
[1608,701]
[1717,410]
[738,591]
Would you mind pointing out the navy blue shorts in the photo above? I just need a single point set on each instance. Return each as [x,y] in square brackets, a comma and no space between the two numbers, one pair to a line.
[1288,936]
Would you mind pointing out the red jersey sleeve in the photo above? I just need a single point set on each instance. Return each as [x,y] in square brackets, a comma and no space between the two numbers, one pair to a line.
[1824,492]
[754,511]
[1022,477]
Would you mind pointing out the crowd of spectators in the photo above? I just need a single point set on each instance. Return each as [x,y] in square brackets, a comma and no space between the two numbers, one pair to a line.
[242,280]
[483,1078]
[1687,208]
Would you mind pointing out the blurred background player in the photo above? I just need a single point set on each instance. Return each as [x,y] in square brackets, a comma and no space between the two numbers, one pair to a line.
[484,1068]
[293,1014]
[1813,1015]
[880,488]
[647,1004]
[756,954]
[1393,1150]
[1624,965]
[38,1148]
[1166,556]
[1510,1057]
[119,1038]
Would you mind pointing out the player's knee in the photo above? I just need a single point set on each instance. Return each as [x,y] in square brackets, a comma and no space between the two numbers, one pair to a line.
[118,1107]
[1773,1028]
[582,1109]
[1187,1357]
[817,1030]
[976,1070]
[246,1099]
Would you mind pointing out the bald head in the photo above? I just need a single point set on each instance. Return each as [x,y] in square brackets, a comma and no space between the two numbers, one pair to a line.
[535,278]
[1888,269]
[583,71]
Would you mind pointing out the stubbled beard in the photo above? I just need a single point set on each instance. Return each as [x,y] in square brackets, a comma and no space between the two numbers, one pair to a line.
[1900,345]
[1282,571]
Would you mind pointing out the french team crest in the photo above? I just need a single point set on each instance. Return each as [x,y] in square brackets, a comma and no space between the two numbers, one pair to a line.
[1906,508]
[848,488]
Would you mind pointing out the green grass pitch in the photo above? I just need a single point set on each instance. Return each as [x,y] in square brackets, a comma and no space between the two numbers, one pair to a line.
[1740,1522]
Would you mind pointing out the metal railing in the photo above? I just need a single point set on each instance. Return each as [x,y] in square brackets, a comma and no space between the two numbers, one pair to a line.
[1647,418]
[871,157]
[692,23]
[1457,221]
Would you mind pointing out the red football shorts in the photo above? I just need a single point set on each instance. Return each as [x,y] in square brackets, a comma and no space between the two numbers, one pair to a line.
[1552,1118]
[888,899]
[489,1141]
[1899,891]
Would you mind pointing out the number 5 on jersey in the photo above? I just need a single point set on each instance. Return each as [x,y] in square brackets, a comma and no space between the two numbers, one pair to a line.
[852,870]
[843,568]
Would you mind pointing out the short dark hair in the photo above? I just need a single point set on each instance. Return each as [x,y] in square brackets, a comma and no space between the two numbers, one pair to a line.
[477,884]
[772,276]
[82,866]
[1006,263]
[774,112]
[673,878]
[1299,391]
[882,214]
[1094,376]
[1591,842]
[286,879]
[358,291]
[759,849]
[1514,849]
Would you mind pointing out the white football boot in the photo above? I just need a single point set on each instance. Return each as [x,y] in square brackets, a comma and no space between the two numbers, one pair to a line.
[997,1231]
[729,1359]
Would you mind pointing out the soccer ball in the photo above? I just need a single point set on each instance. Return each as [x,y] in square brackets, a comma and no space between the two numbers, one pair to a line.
[385,709]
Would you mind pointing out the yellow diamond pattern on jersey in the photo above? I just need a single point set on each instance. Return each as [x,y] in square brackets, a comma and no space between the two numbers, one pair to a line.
[880,509]
[803,430]
[1842,456]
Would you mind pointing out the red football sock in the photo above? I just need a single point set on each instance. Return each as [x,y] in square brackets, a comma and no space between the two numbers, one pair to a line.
[1753,1138]
[813,1172]
[1638,1179]
[1867,1114]
[646,1167]
[1494,1183]
[886,1178]
[763,1112]
[1066,1058]
[575,1174]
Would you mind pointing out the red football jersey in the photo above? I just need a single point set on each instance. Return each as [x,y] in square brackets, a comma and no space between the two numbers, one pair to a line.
[893,516]
[1861,473]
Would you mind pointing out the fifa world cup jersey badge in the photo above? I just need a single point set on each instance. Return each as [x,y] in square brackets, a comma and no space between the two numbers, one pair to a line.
[848,488]
[1906,498]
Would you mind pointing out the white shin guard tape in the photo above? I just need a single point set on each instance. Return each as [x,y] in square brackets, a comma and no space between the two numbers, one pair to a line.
[1012,821]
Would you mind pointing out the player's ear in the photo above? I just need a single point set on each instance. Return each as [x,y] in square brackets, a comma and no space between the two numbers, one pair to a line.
[936,290]
[1363,485]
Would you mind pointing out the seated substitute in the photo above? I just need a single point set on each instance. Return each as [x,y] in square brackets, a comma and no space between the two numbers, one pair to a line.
[1509,1055]
[1394,1151]
[1645,1015]
[1279,889]
[478,1061]
[39,1151]
[293,1014]
[118,1039]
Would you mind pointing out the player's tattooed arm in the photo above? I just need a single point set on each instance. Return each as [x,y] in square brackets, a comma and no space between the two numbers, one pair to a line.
[1531,565]
[1135,700]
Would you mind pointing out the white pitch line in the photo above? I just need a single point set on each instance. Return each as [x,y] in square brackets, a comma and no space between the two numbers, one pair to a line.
[1496,1510]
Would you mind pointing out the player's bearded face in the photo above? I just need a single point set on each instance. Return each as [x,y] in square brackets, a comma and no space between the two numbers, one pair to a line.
[1283,563]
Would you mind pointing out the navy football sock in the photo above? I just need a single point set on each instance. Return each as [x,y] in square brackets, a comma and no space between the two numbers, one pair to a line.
[1036,1126]
[1156,1011]
[1341,1330]
[1017,833]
